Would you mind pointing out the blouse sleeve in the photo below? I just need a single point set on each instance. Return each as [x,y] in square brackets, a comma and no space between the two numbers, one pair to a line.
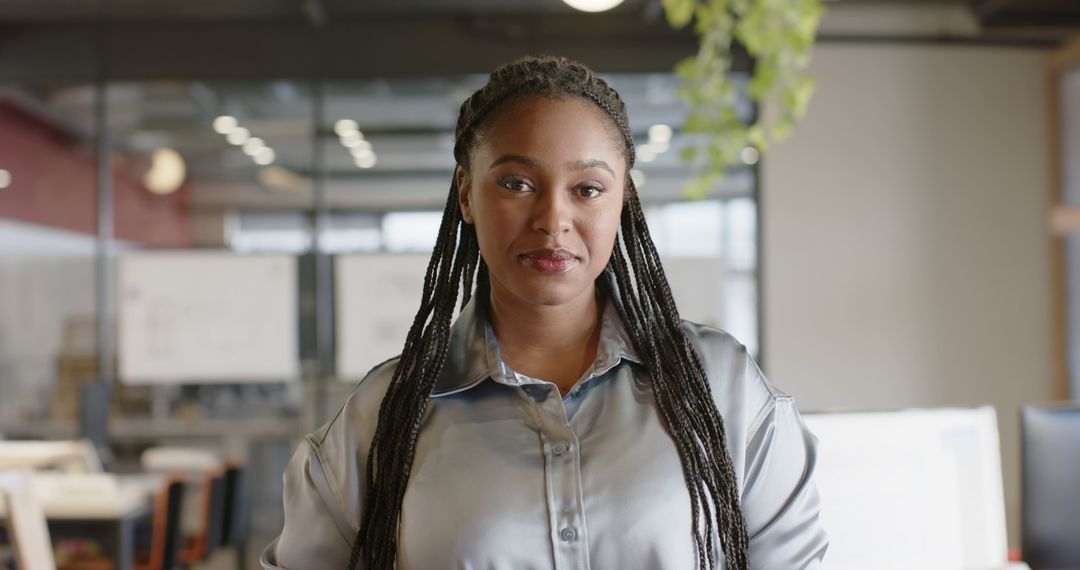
[780,501]
[316,532]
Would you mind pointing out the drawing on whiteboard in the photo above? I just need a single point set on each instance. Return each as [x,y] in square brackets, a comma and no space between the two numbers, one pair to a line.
[207,317]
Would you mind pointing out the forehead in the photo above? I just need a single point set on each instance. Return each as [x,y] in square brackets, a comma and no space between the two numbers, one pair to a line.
[563,124]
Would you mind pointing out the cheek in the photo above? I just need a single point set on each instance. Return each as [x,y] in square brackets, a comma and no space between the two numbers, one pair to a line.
[600,234]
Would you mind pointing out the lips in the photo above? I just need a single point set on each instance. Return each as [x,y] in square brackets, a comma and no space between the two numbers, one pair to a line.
[550,260]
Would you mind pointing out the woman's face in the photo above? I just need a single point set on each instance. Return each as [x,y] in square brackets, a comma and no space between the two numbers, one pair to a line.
[544,188]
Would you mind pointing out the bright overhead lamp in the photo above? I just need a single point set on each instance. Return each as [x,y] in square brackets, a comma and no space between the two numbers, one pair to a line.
[357,143]
[351,136]
[238,136]
[5,178]
[593,5]
[253,146]
[265,156]
[344,126]
[366,160]
[645,153]
[166,172]
[359,146]
[660,133]
[224,124]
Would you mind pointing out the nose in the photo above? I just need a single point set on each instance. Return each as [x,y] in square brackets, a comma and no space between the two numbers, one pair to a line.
[551,212]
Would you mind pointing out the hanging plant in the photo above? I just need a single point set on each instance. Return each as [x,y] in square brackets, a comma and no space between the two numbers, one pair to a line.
[778,35]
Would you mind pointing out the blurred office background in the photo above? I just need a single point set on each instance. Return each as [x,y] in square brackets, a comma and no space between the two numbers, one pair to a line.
[895,252]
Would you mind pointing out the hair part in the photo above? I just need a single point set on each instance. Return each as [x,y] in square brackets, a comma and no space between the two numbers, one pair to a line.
[643,298]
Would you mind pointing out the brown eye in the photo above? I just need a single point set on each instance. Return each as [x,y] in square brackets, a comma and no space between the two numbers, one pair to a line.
[590,192]
[515,185]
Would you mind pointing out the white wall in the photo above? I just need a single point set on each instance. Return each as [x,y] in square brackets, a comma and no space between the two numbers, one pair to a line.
[905,250]
[46,278]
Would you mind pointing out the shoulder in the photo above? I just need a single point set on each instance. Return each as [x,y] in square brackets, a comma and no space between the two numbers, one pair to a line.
[341,445]
[738,385]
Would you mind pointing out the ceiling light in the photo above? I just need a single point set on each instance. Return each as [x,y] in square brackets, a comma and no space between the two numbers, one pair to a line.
[238,136]
[750,155]
[225,124]
[366,160]
[253,145]
[344,126]
[351,136]
[5,178]
[659,133]
[265,156]
[357,143]
[360,147]
[166,172]
[638,177]
[592,5]
[645,153]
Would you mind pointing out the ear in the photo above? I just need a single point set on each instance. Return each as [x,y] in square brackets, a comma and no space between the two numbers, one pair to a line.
[463,183]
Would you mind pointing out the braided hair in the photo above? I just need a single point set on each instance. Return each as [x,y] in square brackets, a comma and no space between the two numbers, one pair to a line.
[642,296]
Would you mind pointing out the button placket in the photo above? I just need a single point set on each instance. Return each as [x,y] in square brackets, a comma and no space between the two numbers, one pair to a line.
[562,467]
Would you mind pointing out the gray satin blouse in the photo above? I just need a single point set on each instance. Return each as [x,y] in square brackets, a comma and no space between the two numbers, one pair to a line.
[509,475]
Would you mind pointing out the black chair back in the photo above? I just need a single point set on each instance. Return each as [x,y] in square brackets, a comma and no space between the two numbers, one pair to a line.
[174,534]
[1051,486]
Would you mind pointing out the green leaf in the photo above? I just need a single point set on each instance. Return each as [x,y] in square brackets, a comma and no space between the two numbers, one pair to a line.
[779,34]
[679,12]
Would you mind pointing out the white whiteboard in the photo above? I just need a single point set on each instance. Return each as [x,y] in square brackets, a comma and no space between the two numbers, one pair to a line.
[207,317]
[911,489]
[377,296]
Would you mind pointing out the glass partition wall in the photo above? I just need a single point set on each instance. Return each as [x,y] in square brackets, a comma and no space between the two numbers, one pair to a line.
[284,221]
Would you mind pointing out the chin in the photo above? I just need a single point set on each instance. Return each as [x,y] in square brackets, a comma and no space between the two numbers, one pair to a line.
[551,290]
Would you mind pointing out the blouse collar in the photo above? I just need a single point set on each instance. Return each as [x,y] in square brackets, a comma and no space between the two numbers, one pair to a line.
[473,354]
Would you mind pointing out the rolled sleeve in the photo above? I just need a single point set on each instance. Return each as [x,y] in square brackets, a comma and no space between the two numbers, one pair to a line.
[779,498]
[316,533]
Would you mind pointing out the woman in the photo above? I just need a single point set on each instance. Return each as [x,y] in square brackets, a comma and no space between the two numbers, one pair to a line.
[569,418]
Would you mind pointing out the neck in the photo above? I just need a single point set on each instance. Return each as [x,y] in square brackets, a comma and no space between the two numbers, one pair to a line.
[556,343]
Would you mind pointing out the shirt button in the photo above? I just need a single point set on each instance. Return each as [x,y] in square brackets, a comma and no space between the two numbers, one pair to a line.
[559,449]
[568,534]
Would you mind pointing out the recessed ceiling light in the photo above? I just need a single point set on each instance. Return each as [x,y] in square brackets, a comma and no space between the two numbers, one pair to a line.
[238,136]
[593,5]
[367,160]
[265,156]
[343,126]
[660,133]
[225,124]
[253,146]
[360,147]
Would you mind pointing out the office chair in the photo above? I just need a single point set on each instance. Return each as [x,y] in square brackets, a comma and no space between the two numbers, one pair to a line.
[1051,488]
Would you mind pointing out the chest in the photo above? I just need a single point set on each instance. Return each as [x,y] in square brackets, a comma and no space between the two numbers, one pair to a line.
[503,479]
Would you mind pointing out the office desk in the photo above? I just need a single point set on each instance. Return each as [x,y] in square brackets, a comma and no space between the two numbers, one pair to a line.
[109,519]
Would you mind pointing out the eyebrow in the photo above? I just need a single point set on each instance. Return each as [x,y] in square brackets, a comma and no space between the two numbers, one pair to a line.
[591,163]
[530,162]
[533,163]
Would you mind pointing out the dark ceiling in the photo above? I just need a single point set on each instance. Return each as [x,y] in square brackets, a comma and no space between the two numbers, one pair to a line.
[141,39]
[990,13]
